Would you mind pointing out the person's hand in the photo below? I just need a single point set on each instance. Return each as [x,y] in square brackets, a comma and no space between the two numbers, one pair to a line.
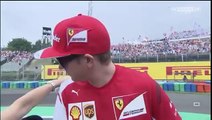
[60,79]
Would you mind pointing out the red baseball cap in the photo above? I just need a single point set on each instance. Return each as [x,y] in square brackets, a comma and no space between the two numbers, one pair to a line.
[77,35]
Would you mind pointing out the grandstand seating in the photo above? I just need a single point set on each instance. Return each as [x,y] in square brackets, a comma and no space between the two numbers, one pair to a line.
[194,45]
[183,48]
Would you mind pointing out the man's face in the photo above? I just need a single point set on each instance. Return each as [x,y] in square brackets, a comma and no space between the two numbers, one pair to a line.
[74,66]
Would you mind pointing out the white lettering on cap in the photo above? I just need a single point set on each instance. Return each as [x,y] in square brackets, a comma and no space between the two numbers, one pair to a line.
[79,37]
[55,38]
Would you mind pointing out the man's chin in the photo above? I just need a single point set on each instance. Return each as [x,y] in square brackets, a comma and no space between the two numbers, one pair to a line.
[77,80]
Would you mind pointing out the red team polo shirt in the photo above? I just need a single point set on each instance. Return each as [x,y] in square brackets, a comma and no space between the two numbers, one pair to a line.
[130,95]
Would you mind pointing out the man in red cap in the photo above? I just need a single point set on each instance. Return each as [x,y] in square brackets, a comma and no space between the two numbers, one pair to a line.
[101,90]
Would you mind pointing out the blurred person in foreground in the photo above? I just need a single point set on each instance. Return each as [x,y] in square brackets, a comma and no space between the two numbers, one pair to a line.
[101,90]
[20,107]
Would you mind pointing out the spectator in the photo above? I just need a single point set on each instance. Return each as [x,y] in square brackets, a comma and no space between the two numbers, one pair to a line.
[24,104]
[185,79]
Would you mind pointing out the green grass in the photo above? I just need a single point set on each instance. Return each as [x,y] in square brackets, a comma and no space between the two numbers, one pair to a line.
[49,110]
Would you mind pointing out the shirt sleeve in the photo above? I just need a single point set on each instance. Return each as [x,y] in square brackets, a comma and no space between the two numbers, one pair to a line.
[60,110]
[162,107]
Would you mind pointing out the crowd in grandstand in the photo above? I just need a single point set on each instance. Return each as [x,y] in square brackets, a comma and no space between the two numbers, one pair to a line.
[176,43]
[187,34]
[16,56]
[191,46]
[127,50]
[164,47]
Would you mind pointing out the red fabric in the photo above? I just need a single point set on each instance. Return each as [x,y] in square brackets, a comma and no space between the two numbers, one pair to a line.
[77,35]
[126,87]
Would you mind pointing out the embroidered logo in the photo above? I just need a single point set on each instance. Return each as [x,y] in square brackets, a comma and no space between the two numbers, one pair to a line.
[82,111]
[76,35]
[89,111]
[119,103]
[129,106]
[75,113]
[55,38]
[76,92]
[70,32]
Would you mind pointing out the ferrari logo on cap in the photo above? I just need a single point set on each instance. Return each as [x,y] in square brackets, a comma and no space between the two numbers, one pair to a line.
[70,32]
[76,35]
[119,103]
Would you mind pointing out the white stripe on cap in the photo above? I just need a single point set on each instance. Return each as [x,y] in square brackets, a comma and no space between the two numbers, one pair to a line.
[37,55]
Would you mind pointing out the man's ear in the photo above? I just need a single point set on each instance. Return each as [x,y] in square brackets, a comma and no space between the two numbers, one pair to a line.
[89,59]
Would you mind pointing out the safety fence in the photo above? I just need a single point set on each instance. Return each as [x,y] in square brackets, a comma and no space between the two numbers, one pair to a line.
[21,84]
[201,87]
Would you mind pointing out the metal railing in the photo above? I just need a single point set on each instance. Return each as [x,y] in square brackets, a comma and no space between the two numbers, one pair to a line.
[163,58]
[36,75]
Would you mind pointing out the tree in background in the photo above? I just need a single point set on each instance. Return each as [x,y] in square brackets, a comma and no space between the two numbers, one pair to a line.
[19,44]
[37,46]
[40,45]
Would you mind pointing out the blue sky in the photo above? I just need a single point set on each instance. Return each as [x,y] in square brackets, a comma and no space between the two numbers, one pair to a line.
[122,19]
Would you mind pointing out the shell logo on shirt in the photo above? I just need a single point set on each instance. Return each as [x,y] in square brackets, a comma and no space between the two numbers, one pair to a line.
[119,103]
[75,112]
[82,111]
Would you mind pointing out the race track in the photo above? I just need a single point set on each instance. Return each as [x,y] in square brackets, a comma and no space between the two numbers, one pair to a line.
[184,102]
